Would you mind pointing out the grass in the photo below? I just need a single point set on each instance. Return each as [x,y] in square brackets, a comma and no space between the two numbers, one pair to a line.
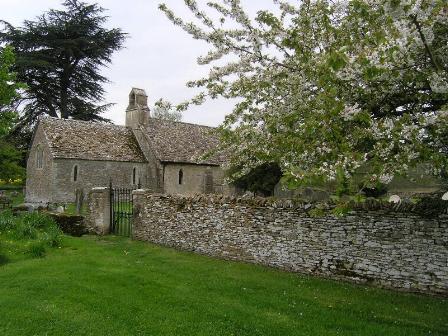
[26,236]
[15,195]
[70,209]
[115,286]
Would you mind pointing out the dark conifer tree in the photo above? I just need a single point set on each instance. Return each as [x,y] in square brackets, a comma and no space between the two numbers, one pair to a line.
[59,56]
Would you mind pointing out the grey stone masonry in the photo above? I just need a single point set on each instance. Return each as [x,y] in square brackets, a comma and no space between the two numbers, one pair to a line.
[383,247]
[98,218]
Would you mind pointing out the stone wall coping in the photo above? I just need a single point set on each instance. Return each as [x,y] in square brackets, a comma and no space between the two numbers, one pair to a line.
[371,206]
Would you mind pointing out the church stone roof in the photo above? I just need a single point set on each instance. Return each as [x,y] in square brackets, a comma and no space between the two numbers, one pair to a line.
[181,142]
[74,139]
[175,142]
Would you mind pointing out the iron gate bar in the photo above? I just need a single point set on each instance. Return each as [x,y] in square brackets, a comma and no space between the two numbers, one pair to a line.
[121,210]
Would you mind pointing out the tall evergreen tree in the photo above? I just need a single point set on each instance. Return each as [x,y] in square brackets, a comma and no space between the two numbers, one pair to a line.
[59,57]
[9,156]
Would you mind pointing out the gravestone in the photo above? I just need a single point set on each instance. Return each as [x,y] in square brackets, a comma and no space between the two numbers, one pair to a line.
[79,200]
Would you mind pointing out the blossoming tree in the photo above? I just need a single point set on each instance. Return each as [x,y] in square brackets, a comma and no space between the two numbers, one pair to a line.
[328,88]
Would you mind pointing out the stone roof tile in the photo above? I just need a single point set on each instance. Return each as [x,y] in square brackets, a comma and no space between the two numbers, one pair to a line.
[86,140]
[183,142]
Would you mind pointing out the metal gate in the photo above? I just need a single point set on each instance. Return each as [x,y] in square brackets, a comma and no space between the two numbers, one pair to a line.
[121,211]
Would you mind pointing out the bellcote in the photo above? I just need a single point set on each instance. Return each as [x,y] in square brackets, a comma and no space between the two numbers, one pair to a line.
[137,113]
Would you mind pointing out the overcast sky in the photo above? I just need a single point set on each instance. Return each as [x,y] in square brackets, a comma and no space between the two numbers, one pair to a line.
[158,56]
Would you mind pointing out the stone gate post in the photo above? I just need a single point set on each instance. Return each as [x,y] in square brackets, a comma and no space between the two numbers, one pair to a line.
[98,218]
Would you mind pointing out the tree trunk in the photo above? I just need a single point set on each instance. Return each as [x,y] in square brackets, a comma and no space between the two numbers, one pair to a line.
[65,82]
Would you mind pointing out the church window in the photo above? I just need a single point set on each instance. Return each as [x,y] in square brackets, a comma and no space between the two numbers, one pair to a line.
[75,173]
[39,157]
[134,176]
[181,176]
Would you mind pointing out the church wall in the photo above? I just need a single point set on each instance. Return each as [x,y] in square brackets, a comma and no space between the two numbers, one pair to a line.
[196,179]
[154,168]
[38,179]
[93,174]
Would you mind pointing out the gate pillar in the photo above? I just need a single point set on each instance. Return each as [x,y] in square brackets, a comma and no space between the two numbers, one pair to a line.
[98,218]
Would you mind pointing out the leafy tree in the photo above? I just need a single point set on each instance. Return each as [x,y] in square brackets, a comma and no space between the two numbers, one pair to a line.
[9,155]
[164,110]
[328,87]
[59,57]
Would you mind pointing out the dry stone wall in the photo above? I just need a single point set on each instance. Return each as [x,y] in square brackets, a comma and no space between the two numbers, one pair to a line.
[382,247]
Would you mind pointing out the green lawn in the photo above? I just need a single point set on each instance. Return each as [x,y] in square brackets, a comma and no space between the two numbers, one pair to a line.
[115,286]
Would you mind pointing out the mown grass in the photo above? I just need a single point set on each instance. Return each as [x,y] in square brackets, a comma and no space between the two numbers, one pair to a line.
[115,286]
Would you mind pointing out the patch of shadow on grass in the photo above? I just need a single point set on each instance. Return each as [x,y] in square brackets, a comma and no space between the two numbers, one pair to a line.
[3,260]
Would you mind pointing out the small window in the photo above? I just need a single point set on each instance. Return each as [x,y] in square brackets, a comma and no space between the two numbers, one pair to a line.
[75,173]
[181,176]
[134,176]
[39,157]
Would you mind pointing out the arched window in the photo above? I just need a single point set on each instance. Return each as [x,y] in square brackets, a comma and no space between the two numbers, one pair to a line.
[39,157]
[134,176]
[181,176]
[75,173]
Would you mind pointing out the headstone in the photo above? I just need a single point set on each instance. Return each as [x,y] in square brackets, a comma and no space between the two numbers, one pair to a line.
[394,199]
[445,196]
[60,209]
[79,200]
[31,207]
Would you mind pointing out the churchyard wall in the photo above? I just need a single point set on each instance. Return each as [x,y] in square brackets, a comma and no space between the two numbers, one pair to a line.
[386,247]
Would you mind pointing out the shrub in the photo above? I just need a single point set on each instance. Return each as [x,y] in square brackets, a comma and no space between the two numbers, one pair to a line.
[7,220]
[37,249]
[341,210]
[24,230]
[53,236]
[316,212]
[38,220]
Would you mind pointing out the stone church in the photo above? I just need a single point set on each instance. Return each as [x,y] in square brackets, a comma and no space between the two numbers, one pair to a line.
[163,156]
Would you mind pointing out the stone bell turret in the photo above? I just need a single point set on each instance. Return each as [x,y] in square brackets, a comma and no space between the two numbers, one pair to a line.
[137,113]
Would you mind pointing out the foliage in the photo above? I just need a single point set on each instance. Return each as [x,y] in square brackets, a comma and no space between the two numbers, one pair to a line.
[9,87]
[7,221]
[36,249]
[316,212]
[341,209]
[328,87]
[164,110]
[97,277]
[11,183]
[261,179]
[24,230]
[9,161]
[35,228]
[59,57]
